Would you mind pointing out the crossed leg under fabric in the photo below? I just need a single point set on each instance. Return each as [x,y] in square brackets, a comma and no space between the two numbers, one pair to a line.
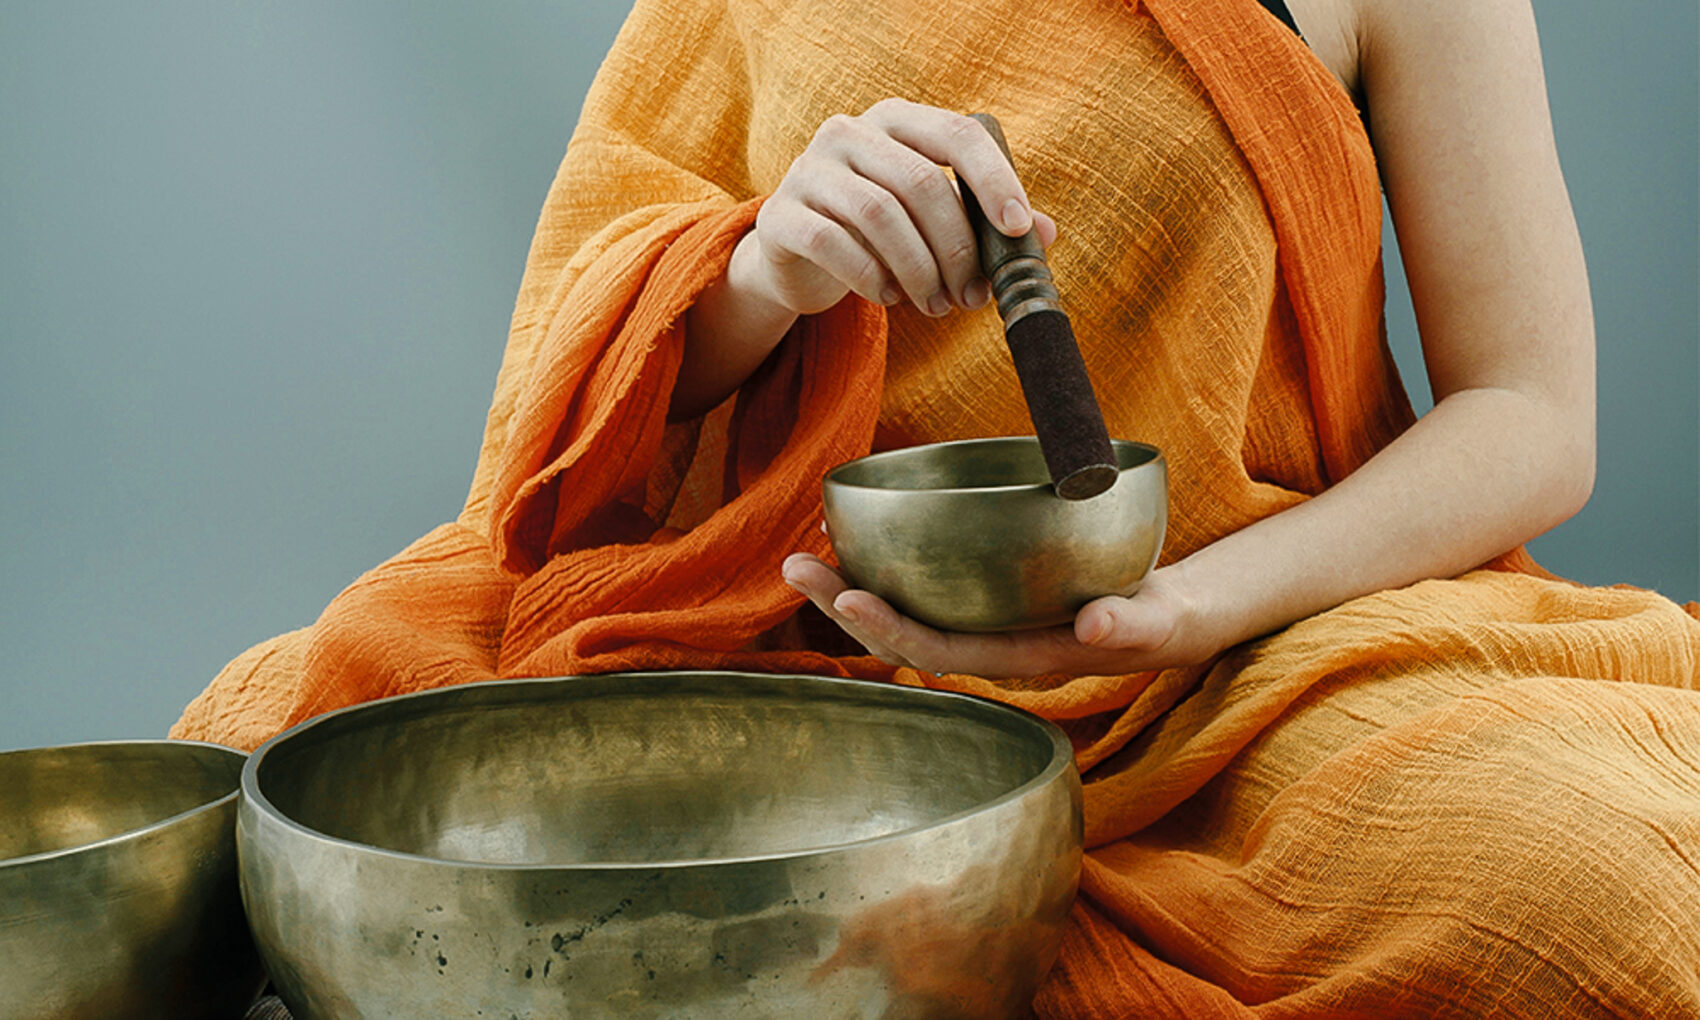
[1528,850]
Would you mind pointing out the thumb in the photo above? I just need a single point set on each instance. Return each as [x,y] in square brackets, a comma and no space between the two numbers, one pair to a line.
[1113,622]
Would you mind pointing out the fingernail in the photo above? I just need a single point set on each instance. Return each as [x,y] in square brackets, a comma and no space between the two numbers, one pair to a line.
[890,296]
[978,293]
[1015,218]
[938,304]
[1096,630]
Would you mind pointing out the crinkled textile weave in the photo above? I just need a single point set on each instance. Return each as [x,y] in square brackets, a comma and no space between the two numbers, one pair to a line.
[1467,797]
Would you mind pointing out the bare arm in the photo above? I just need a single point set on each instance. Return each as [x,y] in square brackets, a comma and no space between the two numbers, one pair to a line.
[1464,138]
[1458,101]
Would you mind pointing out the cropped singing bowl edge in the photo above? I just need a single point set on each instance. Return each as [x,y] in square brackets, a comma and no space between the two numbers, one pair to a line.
[970,536]
[662,845]
[118,893]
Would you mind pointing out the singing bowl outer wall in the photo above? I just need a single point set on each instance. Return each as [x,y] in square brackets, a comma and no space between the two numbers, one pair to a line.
[970,536]
[124,901]
[957,917]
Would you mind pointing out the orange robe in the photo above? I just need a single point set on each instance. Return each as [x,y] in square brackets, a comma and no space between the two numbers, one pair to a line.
[1439,800]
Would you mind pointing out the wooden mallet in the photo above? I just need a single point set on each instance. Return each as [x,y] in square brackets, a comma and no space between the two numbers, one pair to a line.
[1060,400]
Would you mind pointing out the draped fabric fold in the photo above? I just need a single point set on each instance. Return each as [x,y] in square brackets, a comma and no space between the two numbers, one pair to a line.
[1298,828]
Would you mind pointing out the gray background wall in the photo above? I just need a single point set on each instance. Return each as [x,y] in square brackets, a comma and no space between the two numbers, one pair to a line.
[256,264]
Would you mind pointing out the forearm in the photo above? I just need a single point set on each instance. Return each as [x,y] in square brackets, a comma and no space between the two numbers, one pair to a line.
[1483,472]
[730,329]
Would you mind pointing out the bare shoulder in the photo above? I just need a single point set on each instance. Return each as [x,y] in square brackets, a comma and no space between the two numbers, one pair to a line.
[1331,29]
[1357,39]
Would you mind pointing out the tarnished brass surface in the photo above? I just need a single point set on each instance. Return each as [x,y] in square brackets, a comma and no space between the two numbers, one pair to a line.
[968,536]
[118,891]
[687,845]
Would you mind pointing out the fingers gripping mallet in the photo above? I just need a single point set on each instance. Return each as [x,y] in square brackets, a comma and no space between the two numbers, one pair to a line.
[1065,413]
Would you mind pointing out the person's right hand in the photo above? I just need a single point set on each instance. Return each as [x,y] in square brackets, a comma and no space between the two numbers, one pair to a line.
[869,208]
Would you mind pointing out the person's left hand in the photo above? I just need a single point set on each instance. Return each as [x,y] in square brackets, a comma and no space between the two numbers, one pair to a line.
[1152,629]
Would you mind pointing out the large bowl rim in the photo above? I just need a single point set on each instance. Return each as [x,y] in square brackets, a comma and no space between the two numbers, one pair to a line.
[140,832]
[1062,758]
[832,479]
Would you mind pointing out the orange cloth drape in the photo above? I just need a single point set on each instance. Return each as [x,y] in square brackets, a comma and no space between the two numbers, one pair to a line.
[1419,803]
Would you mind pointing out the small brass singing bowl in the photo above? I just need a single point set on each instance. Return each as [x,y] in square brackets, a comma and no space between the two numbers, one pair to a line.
[970,536]
[681,845]
[118,886]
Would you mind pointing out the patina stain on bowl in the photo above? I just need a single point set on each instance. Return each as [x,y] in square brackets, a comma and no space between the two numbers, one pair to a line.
[690,845]
[118,890]
[970,536]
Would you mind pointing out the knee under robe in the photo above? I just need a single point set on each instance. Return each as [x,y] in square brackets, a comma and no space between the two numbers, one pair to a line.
[1472,796]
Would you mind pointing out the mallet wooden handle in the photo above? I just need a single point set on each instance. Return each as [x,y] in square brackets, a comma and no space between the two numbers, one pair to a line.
[1060,401]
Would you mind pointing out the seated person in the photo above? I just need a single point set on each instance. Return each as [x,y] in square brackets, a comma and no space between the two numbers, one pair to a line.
[1348,751]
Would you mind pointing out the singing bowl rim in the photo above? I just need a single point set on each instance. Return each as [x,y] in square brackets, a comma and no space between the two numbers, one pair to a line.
[254,799]
[142,831]
[1153,456]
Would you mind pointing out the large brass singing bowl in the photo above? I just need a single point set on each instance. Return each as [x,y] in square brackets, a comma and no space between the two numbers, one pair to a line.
[686,845]
[970,536]
[118,894]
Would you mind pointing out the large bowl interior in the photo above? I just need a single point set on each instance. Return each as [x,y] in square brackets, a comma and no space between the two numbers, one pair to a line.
[649,768]
[1004,463]
[57,799]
